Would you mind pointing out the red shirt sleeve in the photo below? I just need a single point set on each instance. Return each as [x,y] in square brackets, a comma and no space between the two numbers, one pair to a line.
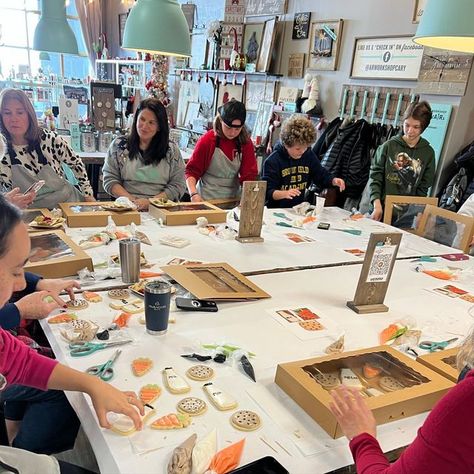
[248,168]
[201,157]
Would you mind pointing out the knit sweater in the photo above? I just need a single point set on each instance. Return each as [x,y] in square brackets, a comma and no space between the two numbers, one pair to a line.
[444,444]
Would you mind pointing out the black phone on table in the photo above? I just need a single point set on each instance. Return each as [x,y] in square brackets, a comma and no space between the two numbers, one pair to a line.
[193,304]
[266,465]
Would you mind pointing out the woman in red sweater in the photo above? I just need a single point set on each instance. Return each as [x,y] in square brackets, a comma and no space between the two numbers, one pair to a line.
[444,444]
[223,158]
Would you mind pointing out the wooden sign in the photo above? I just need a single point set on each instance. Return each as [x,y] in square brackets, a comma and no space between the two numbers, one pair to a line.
[301,25]
[265,7]
[376,273]
[296,65]
[251,211]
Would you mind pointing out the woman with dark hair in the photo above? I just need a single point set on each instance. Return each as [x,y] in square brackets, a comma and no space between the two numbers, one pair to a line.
[145,164]
[223,158]
[34,154]
[21,365]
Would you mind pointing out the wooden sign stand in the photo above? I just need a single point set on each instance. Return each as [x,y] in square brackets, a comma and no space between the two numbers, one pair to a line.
[251,211]
[376,273]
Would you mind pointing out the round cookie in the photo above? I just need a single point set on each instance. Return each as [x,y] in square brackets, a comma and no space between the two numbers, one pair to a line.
[77,304]
[118,293]
[200,372]
[311,325]
[390,384]
[245,420]
[328,380]
[192,406]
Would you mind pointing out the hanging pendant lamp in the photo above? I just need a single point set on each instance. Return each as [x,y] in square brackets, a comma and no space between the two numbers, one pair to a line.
[157,27]
[447,24]
[53,33]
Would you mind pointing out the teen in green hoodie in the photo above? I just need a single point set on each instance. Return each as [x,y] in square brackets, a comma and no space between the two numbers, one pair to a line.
[404,165]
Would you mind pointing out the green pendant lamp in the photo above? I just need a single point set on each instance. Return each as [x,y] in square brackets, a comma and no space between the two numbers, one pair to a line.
[157,27]
[447,24]
[53,33]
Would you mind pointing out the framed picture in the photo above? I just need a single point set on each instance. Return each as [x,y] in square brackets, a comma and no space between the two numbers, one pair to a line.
[301,23]
[253,33]
[122,19]
[258,91]
[418,10]
[192,113]
[265,53]
[265,7]
[386,57]
[324,45]
[443,72]
[188,92]
[199,48]
[228,92]
[296,65]
[262,120]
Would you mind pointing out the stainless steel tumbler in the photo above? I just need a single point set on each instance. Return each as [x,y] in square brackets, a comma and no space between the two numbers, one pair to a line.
[157,307]
[130,260]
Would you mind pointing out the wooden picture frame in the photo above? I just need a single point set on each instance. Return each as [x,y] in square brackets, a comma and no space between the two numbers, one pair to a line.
[418,10]
[265,53]
[192,113]
[228,92]
[296,65]
[258,91]
[386,57]
[264,113]
[248,42]
[122,19]
[324,45]
[301,24]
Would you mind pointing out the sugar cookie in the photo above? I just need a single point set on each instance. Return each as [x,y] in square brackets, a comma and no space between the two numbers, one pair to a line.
[245,420]
[200,372]
[192,406]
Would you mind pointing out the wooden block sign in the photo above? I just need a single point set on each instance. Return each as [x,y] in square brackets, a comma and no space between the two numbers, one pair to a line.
[376,273]
[251,211]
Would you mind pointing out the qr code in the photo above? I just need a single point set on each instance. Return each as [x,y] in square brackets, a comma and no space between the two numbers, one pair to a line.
[379,267]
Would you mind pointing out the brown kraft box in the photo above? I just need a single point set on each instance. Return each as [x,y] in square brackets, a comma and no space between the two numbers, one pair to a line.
[97,218]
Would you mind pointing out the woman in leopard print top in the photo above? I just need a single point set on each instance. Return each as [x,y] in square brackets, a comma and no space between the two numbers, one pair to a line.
[34,153]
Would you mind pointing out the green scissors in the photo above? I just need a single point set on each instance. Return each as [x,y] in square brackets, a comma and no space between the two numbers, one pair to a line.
[104,371]
[435,346]
[79,349]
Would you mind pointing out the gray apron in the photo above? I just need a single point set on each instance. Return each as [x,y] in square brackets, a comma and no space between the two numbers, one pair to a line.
[55,190]
[221,179]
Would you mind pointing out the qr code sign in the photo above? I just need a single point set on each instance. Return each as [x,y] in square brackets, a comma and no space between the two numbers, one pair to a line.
[380,265]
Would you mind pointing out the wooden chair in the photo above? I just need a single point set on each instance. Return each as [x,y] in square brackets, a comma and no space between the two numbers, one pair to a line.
[446,227]
[414,205]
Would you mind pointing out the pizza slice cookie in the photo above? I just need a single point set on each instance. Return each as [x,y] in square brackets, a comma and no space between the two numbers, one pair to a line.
[200,372]
[149,393]
[141,366]
[311,325]
[192,406]
[174,382]
[118,294]
[245,420]
[62,318]
[91,297]
[172,421]
[77,304]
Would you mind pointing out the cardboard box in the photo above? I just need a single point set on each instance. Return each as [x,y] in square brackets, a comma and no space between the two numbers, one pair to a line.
[225,203]
[92,215]
[214,281]
[69,259]
[443,362]
[423,387]
[186,213]
[28,215]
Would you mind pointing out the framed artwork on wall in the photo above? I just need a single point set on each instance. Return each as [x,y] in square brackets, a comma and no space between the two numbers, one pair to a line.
[301,24]
[324,44]
[265,53]
[418,10]
[258,91]
[228,92]
[265,7]
[262,120]
[253,33]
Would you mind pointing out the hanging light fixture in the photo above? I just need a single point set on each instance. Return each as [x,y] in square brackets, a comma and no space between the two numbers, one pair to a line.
[447,25]
[53,32]
[157,27]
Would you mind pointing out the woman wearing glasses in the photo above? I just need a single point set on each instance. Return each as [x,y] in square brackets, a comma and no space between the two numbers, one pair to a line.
[223,158]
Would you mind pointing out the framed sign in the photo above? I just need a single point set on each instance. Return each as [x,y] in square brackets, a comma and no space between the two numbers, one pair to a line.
[420,6]
[252,40]
[265,7]
[324,45]
[301,25]
[391,57]
[296,65]
[265,53]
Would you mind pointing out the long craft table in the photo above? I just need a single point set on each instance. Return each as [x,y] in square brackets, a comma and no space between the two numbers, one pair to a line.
[307,448]
[276,252]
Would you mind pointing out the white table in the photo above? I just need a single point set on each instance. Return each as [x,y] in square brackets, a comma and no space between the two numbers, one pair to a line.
[249,325]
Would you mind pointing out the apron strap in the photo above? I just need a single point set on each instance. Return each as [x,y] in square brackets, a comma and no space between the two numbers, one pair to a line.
[218,142]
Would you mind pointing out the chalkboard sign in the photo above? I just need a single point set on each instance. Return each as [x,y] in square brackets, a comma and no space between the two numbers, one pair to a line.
[301,25]
[265,7]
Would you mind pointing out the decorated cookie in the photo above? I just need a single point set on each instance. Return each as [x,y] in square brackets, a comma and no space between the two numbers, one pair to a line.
[245,420]
[373,392]
[174,382]
[328,380]
[62,318]
[172,421]
[141,366]
[200,372]
[149,393]
[371,371]
[311,325]
[220,399]
[77,304]
[118,293]
[192,406]
[91,297]
[129,306]
[123,425]
[350,379]
[390,384]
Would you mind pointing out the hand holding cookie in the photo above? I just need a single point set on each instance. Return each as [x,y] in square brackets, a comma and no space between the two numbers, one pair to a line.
[38,305]
[351,412]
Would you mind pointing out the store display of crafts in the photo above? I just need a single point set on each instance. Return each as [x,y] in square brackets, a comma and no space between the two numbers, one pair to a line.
[46,222]
[373,374]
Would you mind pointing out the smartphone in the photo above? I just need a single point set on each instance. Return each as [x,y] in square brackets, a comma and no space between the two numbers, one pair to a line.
[35,186]
[454,257]
[324,225]
[266,465]
[190,304]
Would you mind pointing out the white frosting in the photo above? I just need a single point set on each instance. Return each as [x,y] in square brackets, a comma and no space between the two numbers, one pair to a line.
[175,381]
[221,399]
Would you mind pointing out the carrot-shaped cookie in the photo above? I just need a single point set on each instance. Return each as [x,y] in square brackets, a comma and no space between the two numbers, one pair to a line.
[141,366]
[149,393]
[62,318]
[91,297]
[172,421]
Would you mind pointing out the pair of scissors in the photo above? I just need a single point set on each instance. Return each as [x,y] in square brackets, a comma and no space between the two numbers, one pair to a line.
[435,346]
[79,349]
[104,371]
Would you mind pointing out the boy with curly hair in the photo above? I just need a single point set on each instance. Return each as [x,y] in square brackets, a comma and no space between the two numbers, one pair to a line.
[293,166]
